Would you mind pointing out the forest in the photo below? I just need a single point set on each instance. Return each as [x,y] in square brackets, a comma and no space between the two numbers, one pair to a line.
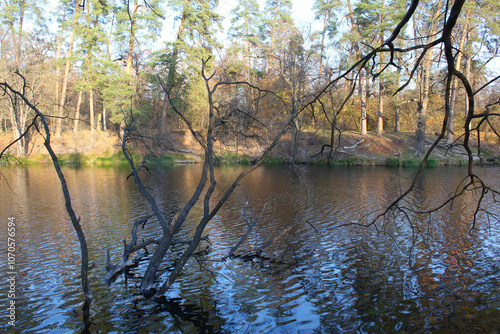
[428,68]
[101,65]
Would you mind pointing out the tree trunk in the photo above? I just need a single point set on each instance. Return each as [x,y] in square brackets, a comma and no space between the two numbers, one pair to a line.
[322,51]
[91,107]
[104,123]
[380,116]
[396,118]
[362,96]
[171,76]
[380,119]
[62,102]
[468,75]
[425,86]
[128,69]
[18,47]
[454,85]
[77,111]
[58,70]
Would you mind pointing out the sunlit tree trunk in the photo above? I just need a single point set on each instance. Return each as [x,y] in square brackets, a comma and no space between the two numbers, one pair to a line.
[18,50]
[77,111]
[362,96]
[104,123]
[171,76]
[380,116]
[58,71]
[130,56]
[322,50]
[425,86]
[454,86]
[67,66]
[91,108]
[468,75]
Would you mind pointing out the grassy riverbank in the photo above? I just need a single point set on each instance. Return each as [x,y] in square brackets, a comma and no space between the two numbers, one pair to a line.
[392,150]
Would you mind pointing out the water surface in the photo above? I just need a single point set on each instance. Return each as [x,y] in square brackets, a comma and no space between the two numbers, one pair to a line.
[426,273]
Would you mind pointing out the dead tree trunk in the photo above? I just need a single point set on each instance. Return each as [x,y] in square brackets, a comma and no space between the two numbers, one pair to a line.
[69,208]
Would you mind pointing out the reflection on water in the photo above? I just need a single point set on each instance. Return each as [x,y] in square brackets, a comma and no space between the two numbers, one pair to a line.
[426,275]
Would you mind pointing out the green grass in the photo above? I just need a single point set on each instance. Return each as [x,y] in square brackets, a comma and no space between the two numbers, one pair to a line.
[432,163]
[72,159]
[355,161]
[410,163]
[163,160]
[274,161]
[393,162]
[104,162]
[228,158]
[11,159]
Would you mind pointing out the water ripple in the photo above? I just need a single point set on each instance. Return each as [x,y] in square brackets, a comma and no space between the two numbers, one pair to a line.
[319,278]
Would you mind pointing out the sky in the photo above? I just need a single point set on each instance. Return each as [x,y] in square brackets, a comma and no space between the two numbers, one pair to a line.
[302,15]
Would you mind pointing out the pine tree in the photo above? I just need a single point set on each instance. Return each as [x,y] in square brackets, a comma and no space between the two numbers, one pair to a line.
[93,39]
[276,28]
[195,40]
[68,61]
[244,31]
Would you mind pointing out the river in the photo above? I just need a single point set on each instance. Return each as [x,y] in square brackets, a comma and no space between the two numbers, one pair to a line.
[410,274]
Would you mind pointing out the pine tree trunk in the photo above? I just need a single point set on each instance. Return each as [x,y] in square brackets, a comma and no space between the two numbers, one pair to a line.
[362,96]
[454,85]
[91,107]
[322,51]
[128,69]
[18,47]
[77,111]
[380,118]
[62,101]
[425,87]
[58,71]
[171,77]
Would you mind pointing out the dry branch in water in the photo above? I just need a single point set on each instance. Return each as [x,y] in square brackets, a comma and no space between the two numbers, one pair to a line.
[207,137]
[7,89]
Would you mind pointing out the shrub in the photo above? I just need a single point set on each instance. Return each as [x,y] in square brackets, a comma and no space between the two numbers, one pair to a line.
[410,163]
[393,162]
[163,160]
[274,161]
[431,163]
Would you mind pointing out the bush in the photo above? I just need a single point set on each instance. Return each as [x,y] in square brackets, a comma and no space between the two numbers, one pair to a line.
[431,163]
[274,161]
[104,162]
[244,160]
[393,162]
[410,163]
[73,159]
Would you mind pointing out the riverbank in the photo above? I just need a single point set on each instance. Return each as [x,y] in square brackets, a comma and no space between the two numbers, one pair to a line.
[179,147]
